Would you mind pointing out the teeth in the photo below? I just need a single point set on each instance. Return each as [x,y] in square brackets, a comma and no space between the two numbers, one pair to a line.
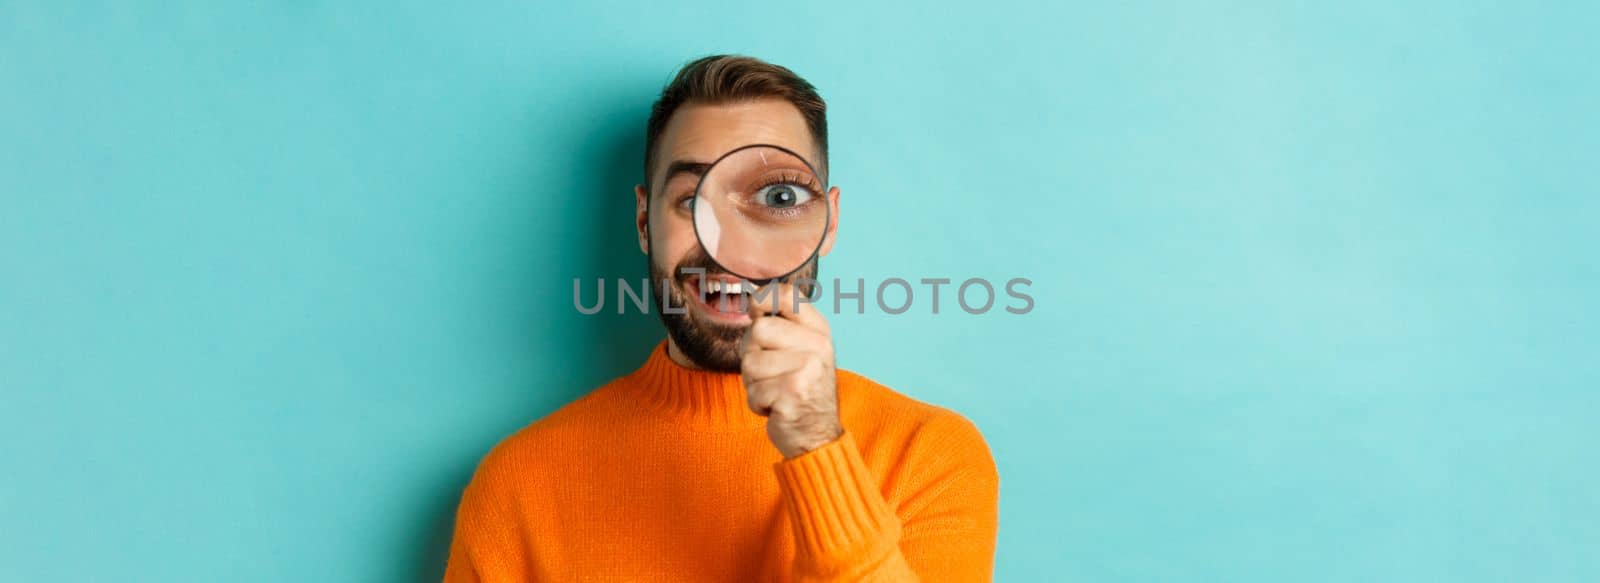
[732,287]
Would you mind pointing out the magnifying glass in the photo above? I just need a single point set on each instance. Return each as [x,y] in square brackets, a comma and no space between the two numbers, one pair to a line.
[760,212]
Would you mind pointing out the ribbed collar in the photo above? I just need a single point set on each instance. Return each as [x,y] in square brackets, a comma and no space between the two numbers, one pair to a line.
[701,396]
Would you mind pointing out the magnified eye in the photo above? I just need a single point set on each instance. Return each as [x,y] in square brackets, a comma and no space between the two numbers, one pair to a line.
[783,196]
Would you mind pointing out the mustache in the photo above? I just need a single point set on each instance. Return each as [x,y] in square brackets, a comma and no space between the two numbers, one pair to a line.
[704,266]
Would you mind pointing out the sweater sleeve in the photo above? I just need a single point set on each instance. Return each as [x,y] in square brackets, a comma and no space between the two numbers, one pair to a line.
[485,547]
[459,568]
[845,530]
[470,516]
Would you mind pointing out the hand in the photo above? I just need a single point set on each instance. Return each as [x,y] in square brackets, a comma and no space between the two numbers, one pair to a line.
[786,359]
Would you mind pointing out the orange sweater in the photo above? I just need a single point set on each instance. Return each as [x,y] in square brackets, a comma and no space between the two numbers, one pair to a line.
[666,475]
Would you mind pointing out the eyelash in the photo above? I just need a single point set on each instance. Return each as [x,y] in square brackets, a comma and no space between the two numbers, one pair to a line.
[784,178]
[792,178]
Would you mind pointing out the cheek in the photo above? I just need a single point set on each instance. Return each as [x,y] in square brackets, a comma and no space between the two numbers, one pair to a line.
[672,237]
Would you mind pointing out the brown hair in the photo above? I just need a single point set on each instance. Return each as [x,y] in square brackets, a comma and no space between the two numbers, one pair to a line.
[729,78]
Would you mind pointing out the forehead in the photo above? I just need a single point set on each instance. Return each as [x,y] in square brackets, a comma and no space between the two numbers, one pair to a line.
[702,132]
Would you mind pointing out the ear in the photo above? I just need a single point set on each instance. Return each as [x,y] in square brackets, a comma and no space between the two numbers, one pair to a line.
[641,217]
[833,221]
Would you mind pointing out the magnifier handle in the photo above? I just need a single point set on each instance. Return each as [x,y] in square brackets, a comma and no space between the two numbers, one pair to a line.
[769,299]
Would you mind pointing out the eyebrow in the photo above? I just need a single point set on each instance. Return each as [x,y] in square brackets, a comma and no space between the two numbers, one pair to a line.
[690,167]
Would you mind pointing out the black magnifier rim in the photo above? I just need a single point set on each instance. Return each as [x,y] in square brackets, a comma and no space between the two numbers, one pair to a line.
[827,218]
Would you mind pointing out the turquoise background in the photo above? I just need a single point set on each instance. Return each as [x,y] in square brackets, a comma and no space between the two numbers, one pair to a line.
[1315,284]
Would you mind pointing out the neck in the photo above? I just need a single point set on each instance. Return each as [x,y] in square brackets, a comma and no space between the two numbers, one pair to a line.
[677,355]
[669,384]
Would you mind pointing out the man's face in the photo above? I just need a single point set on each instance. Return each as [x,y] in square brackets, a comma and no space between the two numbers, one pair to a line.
[698,134]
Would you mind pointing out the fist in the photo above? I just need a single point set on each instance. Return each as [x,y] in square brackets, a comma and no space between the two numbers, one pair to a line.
[786,361]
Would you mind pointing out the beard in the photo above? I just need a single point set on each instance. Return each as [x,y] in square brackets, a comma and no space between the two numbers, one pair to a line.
[710,345]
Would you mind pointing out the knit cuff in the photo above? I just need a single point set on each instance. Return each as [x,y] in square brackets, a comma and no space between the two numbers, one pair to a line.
[839,518]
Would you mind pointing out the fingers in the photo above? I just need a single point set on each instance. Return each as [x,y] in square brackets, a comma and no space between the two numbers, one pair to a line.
[788,395]
[759,364]
[761,395]
[786,359]
[782,363]
[795,326]
[780,334]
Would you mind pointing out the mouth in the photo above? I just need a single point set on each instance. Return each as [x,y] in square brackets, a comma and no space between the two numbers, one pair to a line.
[722,298]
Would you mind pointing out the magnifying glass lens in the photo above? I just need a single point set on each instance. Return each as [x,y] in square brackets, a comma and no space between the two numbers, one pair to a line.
[760,212]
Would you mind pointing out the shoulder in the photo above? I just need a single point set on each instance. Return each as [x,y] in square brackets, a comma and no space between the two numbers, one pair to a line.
[522,457]
[873,404]
[889,422]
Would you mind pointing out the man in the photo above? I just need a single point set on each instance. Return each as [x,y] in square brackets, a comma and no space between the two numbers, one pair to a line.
[736,452]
